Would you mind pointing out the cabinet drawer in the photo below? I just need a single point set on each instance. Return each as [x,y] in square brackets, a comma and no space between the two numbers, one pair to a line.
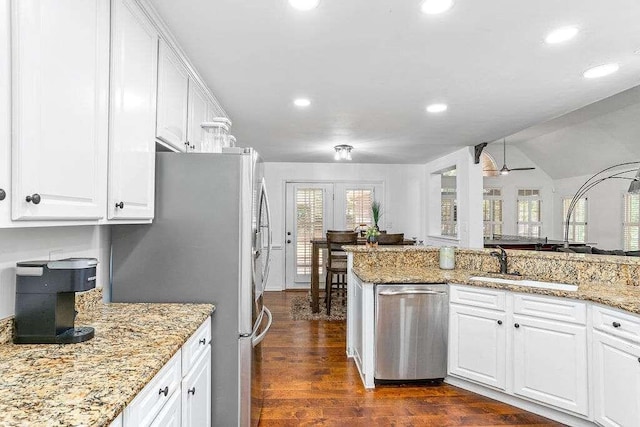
[196,345]
[478,297]
[552,308]
[148,403]
[616,323]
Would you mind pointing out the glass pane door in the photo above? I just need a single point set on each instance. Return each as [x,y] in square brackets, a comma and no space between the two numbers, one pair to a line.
[310,214]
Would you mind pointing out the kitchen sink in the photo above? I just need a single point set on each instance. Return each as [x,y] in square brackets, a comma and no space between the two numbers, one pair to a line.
[528,283]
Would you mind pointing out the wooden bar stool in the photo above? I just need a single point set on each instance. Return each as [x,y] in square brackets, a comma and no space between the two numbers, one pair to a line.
[337,263]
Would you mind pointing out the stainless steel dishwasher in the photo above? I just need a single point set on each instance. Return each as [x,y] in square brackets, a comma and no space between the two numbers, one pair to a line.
[411,332]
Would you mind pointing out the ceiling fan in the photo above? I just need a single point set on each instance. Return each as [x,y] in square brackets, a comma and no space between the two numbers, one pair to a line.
[505,169]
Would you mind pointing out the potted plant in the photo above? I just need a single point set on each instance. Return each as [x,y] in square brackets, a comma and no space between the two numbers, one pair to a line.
[376,213]
[372,236]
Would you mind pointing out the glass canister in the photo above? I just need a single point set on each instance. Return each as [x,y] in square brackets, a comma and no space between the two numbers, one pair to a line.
[447,258]
[217,134]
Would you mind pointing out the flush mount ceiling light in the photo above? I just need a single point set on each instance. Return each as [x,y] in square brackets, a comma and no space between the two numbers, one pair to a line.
[302,102]
[343,152]
[561,35]
[437,108]
[434,7]
[304,4]
[601,71]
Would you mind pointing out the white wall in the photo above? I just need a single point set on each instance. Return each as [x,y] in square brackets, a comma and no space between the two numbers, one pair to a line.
[43,243]
[469,199]
[402,202]
[510,184]
[604,210]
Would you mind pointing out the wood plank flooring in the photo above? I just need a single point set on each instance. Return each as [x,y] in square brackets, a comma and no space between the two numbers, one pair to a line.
[310,382]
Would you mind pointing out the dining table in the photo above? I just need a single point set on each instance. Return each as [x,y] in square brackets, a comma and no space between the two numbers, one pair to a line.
[316,246]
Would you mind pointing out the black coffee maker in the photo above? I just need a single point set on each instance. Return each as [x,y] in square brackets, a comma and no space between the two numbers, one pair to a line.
[46,299]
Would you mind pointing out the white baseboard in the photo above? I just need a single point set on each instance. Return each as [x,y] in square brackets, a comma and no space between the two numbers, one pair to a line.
[553,414]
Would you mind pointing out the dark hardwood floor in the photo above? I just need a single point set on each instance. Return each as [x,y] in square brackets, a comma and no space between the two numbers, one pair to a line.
[310,382]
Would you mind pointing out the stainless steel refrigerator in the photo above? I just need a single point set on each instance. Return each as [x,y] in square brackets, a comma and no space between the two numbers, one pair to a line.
[209,242]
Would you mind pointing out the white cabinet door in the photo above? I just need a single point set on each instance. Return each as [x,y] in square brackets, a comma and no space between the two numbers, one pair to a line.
[196,393]
[170,415]
[616,382]
[477,345]
[197,115]
[60,108]
[134,58]
[550,363]
[173,89]
[5,113]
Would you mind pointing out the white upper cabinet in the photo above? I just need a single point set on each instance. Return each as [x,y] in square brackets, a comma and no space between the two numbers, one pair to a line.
[134,59]
[60,108]
[5,113]
[198,109]
[173,89]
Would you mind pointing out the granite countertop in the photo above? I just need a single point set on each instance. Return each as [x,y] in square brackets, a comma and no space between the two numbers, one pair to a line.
[617,296]
[90,383]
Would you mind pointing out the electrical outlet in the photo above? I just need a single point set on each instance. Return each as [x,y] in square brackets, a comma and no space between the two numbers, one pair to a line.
[55,254]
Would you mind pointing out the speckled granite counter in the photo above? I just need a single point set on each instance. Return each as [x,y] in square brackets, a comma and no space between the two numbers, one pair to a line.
[620,296]
[90,383]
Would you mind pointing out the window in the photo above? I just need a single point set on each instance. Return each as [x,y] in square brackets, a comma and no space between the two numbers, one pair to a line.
[577,222]
[492,212]
[449,212]
[309,225]
[631,225]
[529,221]
[358,207]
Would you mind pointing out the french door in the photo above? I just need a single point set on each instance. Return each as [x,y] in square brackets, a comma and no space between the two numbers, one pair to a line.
[314,208]
[309,214]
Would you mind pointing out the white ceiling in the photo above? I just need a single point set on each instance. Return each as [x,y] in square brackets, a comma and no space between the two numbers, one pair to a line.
[587,140]
[370,67]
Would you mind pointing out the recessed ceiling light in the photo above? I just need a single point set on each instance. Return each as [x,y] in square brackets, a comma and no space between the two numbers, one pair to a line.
[437,108]
[601,70]
[561,35]
[304,4]
[433,7]
[302,102]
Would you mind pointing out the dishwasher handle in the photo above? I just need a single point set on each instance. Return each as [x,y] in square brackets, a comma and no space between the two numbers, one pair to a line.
[411,292]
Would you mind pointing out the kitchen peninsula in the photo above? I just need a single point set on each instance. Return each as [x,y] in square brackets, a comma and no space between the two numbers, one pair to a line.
[568,355]
[91,383]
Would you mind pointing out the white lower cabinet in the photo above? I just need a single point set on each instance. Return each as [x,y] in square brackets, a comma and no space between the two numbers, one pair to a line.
[196,393]
[477,345]
[550,363]
[170,415]
[180,393]
[616,381]
[527,346]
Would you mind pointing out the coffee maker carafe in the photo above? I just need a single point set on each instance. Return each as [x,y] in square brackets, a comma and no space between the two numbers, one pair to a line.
[45,300]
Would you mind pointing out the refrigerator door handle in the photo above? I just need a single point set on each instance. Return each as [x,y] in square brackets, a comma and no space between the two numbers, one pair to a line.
[258,339]
[267,264]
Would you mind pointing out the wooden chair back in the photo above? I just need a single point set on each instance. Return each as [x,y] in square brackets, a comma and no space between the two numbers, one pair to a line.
[391,239]
[335,242]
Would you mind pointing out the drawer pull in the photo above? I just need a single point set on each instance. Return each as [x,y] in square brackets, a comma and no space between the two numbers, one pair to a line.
[517,325]
[616,324]
[164,391]
[35,199]
[3,194]
[499,322]
[192,391]
[203,341]
[120,205]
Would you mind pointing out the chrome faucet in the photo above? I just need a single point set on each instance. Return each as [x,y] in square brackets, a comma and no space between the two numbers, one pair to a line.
[502,258]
